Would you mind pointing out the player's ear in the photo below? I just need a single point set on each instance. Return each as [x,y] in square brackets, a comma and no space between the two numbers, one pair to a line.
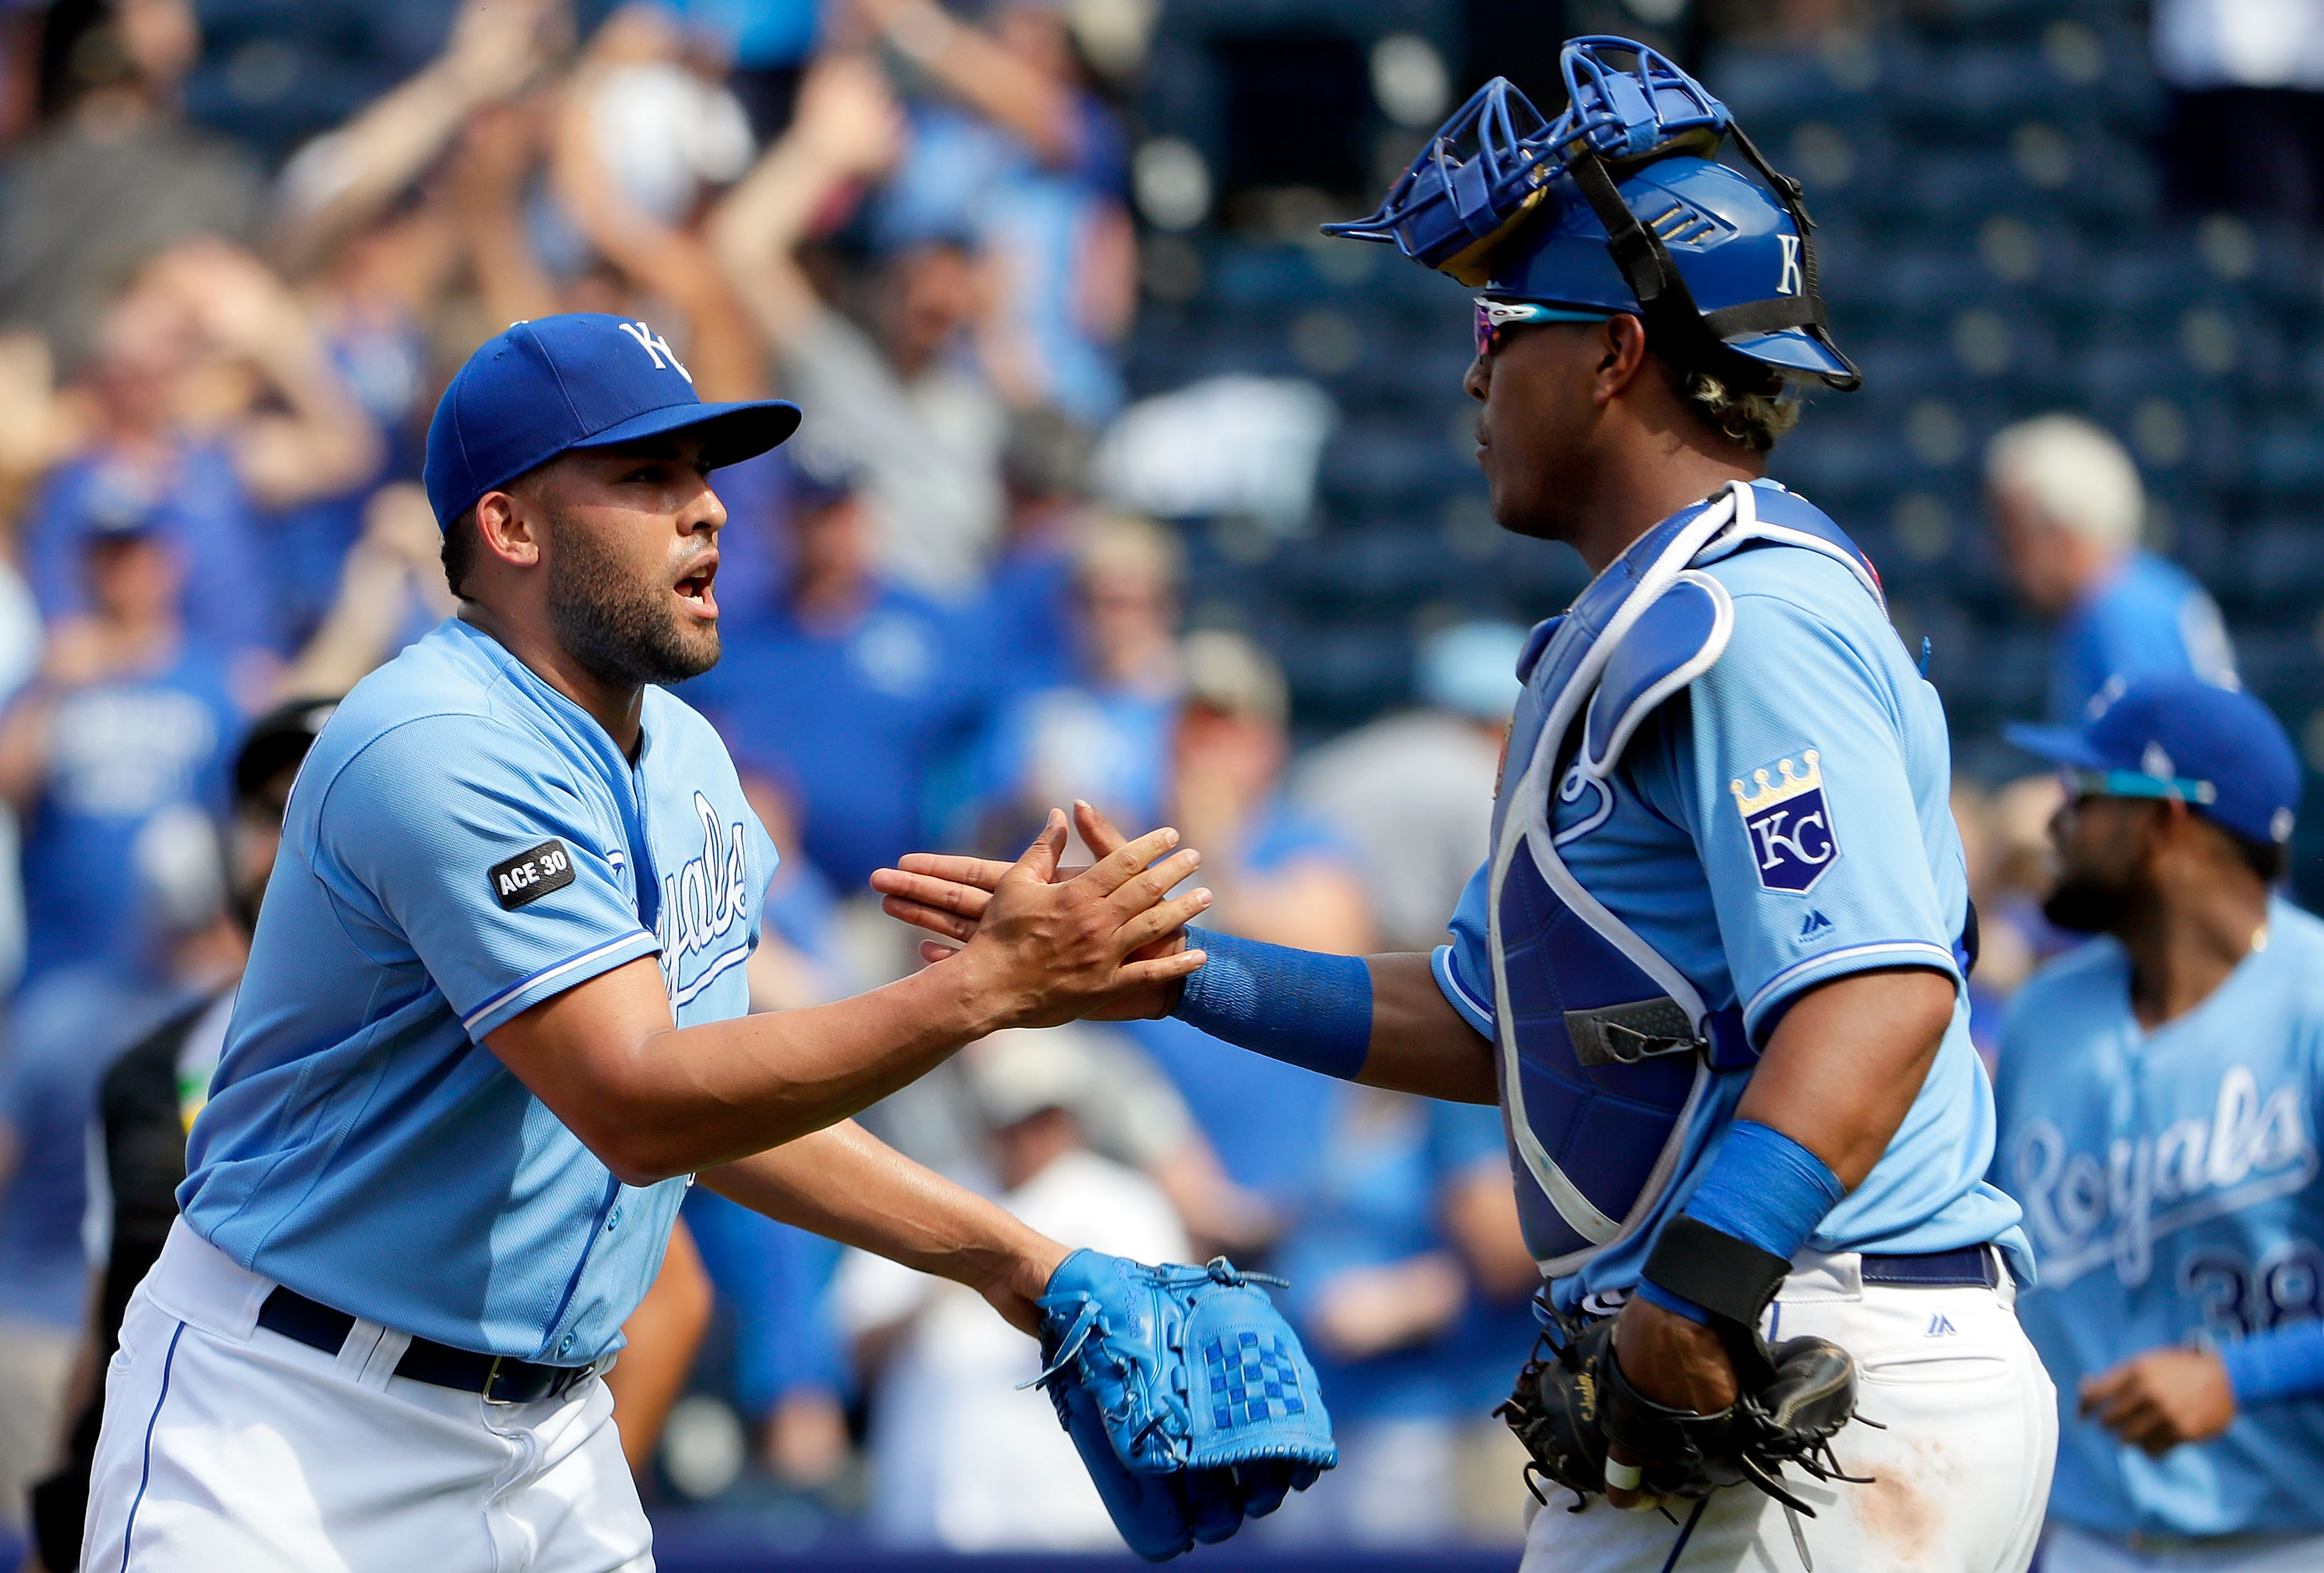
[510,529]
[1622,354]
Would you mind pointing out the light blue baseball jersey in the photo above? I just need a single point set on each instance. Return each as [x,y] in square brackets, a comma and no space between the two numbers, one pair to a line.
[2169,1185]
[1781,823]
[463,843]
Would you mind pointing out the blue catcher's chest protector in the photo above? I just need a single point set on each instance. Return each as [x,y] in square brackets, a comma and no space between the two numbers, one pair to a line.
[1605,1047]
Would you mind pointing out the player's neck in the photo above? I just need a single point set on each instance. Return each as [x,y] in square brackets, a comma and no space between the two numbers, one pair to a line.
[615,706]
[2184,944]
[1643,483]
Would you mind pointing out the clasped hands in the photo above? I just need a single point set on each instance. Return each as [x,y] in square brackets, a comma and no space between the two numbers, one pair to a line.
[1047,944]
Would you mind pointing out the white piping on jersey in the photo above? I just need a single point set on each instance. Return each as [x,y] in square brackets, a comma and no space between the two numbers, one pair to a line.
[469,1021]
[1450,975]
[1569,790]
[1848,953]
[1722,629]
[1530,830]
[727,958]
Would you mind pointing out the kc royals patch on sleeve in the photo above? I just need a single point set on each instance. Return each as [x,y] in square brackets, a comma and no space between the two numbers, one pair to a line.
[1788,821]
[532,875]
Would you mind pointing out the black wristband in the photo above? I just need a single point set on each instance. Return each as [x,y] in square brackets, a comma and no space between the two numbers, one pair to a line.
[1731,1279]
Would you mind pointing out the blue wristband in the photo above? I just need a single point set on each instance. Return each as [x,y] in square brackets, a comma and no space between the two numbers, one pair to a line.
[1763,1189]
[2287,1363]
[1302,1007]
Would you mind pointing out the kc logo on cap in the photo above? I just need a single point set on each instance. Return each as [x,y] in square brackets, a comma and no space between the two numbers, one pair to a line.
[654,345]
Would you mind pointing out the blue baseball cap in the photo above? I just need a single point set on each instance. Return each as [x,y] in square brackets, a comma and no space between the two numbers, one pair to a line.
[582,380]
[2219,750]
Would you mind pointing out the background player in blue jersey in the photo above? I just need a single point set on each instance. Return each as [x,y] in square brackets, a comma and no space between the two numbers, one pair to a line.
[493,1024]
[1713,968]
[2158,1091]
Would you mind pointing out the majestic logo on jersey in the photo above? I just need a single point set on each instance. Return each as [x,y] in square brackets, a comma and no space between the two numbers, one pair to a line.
[703,904]
[1791,840]
[2085,1211]
[532,875]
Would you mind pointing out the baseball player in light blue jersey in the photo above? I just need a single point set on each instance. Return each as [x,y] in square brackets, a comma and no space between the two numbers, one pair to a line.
[495,1025]
[2158,1093]
[1712,969]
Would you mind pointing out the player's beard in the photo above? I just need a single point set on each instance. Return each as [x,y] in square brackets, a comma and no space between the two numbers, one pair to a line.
[2089,903]
[620,628]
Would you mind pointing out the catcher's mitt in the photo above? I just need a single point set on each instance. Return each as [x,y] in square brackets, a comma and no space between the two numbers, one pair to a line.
[1572,1400]
[1187,1394]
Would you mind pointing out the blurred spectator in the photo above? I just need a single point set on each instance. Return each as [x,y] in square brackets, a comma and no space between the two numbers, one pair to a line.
[639,138]
[216,399]
[768,44]
[115,173]
[846,693]
[76,1016]
[2249,75]
[1279,874]
[2067,507]
[19,660]
[664,1334]
[1034,164]
[340,182]
[1415,791]
[1029,600]
[373,251]
[145,1103]
[115,759]
[1411,1287]
[392,590]
[903,404]
[1103,732]
[963,1457]
[790,1375]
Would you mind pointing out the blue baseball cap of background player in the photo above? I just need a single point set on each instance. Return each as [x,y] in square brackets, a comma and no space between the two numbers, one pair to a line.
[2218,750]
[1619,205]
[582,380]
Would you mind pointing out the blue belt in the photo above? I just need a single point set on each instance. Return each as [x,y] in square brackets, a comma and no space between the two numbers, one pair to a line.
[1967,1267]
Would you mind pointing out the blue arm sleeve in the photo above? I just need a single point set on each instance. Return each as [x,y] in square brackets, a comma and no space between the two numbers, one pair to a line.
[2270,1366]
[1300,1007]
[1764,1188]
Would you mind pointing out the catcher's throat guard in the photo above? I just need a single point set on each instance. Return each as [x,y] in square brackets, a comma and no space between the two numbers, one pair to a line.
[1618,206]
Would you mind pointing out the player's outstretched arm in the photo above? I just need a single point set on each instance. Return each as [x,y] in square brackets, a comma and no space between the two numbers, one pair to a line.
[844,1183]
[1392,1026]
[651,1099]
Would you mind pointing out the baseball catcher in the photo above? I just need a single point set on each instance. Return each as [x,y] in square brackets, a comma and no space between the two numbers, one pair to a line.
[1712,969]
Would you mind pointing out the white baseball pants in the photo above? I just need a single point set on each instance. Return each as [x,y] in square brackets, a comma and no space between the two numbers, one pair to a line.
[230,1449]
[1961,1476]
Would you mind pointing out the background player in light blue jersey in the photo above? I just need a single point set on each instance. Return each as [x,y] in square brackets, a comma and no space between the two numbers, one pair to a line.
[495,1025]
[2158,1092]
[1712,968]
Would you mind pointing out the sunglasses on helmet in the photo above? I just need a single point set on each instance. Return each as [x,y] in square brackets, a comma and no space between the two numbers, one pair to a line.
[1493,315]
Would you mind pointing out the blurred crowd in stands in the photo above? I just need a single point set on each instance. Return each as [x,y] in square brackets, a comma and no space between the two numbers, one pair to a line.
[218,359]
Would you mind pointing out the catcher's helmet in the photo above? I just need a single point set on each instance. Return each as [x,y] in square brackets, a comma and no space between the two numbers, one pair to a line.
[1617,206]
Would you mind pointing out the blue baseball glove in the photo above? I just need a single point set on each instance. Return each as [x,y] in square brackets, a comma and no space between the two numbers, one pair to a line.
[1185,1392]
